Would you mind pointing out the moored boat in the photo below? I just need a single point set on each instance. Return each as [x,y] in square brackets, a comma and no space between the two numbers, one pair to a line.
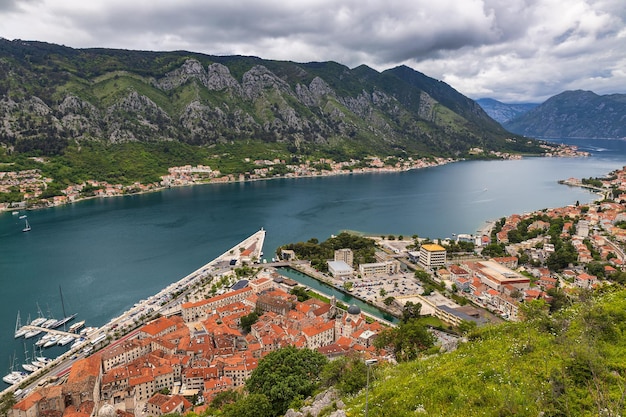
[65,340]
[32,333]
[38,364]
[44,339]
[78,342]
[14,377]
[19,329]
[61,322]
[29,367]
[51,341]
[87,330]
[74,327]
[48,323]
[43,359]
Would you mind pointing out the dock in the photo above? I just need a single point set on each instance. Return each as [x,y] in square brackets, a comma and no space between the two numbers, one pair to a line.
[51,331]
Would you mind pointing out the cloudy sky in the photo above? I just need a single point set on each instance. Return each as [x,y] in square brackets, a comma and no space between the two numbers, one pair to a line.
[511,50]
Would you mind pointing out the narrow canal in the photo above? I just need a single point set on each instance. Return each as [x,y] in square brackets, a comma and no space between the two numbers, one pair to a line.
[331,291]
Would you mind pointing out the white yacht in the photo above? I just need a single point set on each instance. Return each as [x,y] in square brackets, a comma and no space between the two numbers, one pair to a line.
[65,340]
[38,321]
[14,377]
[26,226]
[19,329]
[87,330]
[48,323]
[51,341]
[40,318]
[74,327]
[29,367]
[44,339]
[38,364]
[32,333]
[43,359]
[78,342]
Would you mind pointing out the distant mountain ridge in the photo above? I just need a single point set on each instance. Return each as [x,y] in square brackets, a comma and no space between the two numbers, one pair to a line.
[574,114]
[53,96]
[503,112]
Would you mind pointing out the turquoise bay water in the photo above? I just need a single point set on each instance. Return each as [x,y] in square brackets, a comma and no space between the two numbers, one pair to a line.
[108,253]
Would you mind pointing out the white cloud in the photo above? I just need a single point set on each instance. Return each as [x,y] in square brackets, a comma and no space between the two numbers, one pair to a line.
[514,50]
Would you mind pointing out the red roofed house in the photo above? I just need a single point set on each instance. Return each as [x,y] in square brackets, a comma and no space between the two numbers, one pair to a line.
[160,404]
[585,280]
[198,310]
[158,327]
[83,382]
[319,334]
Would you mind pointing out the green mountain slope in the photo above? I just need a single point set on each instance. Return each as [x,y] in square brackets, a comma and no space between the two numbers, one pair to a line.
[574,114]
[54,98]
[570,364]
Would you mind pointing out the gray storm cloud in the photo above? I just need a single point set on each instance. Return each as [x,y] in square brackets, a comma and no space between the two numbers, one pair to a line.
[514,49]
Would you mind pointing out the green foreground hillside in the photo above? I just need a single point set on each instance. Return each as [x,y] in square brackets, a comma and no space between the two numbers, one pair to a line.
[570,364]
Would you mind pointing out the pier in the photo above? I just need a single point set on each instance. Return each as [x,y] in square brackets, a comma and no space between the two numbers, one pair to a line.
[51,331]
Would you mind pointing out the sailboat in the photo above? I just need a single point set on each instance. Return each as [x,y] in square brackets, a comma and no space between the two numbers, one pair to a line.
[27,365]
[40,318]
[13,377]
[26,226]
[19,330]
[65,318]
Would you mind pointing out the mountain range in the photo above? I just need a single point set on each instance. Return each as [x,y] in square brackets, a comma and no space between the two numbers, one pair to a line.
[503,112]
[53,97]
[570,114]
[574,114]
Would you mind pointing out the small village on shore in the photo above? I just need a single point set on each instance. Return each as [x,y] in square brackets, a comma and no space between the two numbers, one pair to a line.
[28,188]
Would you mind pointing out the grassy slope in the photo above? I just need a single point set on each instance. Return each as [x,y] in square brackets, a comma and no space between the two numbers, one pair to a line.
[570,365]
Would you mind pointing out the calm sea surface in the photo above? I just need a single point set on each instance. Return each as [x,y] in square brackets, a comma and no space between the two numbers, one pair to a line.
[106,254]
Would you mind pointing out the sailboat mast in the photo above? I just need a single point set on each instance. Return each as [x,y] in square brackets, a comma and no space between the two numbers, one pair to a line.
[62,303]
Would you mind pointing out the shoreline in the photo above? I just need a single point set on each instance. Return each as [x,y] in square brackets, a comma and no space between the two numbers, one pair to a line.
[384,170]
[439,161]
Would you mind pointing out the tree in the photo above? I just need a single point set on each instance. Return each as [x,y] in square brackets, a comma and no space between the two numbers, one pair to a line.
[388,301]
[467,326]
[411,311]
[286,375]
[248,320]
[6,402]
[422,275]
[301,293]
[407,340]
[252,405]
[225,397]
[347,374]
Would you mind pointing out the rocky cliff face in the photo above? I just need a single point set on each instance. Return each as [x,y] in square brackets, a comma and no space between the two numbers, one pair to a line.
[59,96]
[503,112]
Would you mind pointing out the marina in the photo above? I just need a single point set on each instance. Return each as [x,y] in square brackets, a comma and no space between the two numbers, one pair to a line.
[163,302]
